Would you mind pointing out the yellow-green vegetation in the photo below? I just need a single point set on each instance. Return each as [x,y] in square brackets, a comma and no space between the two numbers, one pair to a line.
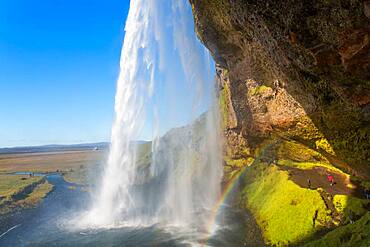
[234,166]
[13,184]
[349,207]
[260,90]
[224,105]
[294,154]
[304,129]
[310,165]
[19,191]
[356,234]
[284,211]
[37,194]
[324,145]
[297,152]
[239,163]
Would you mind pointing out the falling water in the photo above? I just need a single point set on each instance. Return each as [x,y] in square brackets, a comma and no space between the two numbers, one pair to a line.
[165,81]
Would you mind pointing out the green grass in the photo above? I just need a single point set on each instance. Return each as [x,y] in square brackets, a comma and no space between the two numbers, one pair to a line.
[12,184]
[350,235]
[39,193]
[282,209]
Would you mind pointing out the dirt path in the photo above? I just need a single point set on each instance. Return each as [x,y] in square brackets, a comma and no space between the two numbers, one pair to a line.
[318,178]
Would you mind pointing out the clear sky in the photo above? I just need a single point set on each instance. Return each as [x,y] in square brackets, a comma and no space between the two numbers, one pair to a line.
[59,62]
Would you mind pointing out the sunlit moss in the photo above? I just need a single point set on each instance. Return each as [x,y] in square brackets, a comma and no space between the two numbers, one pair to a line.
[298,152]
[238,163]
[260,90]
[223,100]
[356,234]
[284,211]
[349,206]
[324,145]
[310,165]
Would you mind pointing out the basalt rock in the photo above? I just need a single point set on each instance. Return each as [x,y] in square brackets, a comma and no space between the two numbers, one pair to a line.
[296,69]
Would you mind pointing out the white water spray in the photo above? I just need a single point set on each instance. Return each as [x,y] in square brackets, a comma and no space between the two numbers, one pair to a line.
[165,71]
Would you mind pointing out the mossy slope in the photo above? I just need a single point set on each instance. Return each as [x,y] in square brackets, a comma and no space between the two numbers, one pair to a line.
[290,213]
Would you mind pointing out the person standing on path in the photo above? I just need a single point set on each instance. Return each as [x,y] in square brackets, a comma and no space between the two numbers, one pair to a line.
[331,179]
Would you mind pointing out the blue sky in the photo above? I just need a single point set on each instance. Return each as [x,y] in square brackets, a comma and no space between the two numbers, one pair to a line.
[59,62]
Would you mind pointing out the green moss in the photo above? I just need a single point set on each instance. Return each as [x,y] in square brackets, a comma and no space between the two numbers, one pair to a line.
[304,129]
[349,206]
[324,145]
[282,209]
[356,234]
[309,165]
[343,130]
[238,163]
[298,152]
[260,90]
[353,146]
[224,101]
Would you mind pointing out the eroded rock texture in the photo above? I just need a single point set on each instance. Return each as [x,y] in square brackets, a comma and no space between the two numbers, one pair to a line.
[298,69]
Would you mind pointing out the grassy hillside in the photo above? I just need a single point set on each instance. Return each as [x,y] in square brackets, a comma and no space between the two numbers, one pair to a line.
[287,191]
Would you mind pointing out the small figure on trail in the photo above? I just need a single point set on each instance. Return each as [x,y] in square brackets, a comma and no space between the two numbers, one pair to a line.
[351,216]
[276,87]
[331,179]
[309,183]
[367,193]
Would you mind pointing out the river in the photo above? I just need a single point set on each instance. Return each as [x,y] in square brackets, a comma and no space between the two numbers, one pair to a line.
[48,224]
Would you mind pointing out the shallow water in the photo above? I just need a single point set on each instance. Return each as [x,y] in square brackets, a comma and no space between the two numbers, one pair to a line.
[49,225]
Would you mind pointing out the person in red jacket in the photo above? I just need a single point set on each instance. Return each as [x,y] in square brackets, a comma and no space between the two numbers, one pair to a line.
[331,179]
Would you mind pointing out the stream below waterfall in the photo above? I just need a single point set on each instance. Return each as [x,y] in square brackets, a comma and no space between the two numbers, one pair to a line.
[48,225]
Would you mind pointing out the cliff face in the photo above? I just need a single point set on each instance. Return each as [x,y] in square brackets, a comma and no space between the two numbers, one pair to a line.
[299,70]
[294,90]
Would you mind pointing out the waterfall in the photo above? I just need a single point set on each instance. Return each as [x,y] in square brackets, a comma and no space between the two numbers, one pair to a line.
[165,82]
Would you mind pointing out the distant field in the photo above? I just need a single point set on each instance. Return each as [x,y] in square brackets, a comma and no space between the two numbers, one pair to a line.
[50,161]
[22,191]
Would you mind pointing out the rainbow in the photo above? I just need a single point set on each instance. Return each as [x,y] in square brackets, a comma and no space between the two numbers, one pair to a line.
[228,188]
